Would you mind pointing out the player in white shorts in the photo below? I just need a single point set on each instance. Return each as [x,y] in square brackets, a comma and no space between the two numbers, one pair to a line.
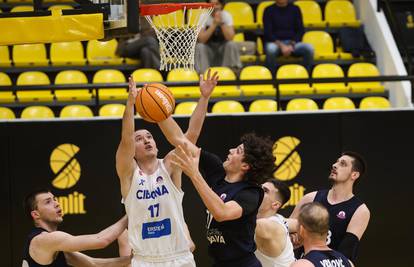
[151,189]
[274,248]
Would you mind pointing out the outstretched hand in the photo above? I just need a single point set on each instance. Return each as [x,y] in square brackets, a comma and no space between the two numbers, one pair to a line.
[187,161]
[133,91]
[207,85]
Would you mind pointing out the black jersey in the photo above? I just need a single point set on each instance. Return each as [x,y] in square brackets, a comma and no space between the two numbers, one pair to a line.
[231,243]
[327,258]
[340,215]
[60,260]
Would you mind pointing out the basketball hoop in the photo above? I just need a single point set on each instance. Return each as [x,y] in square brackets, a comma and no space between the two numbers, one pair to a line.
[177,26]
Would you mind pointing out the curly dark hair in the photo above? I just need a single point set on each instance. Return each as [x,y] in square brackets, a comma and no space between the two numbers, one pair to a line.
[258,154]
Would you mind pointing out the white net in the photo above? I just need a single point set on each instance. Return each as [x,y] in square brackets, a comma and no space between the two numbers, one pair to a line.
[177,34]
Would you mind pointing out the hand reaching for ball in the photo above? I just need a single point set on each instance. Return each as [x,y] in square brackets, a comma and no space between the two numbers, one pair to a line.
[133,91]
[207,85]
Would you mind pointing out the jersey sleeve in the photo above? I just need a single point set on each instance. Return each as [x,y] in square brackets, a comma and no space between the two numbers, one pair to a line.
[248,199]
[211,167]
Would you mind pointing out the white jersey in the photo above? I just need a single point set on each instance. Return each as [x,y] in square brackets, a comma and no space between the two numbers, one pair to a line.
[156,227]
[287,256]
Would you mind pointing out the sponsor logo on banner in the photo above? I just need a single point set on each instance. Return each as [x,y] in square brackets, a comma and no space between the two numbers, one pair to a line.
[288,164]
[67,172]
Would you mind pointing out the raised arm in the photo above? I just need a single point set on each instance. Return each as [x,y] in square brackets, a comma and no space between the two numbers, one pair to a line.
[270,237]
[188,161]
[305,199]
[199,114]
[125,163]
[61,241]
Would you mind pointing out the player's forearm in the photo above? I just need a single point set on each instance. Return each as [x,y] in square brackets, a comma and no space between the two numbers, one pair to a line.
[212,201]
[113,262]
[197,120]
[172,132]
[108,235]
[128,124]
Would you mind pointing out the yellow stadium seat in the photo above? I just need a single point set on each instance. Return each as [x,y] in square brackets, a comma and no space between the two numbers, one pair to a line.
[311,13]
[60,7]
[256,73]
[227,106]
[102,53]
[364,70]
[173,19]
[111,76]
[72,77]
[37,112]
[260,10]
[147,76]
[225,74]
[22,9]
[112,110]
[242,14]
[301,104]
[30,55]
[34,78]
[322,44]
[4,56]
[374,102]
[329,71]
[338,103]
[6,96]
[260,50]
[293,71]
[182,75]
[340,13]
[76,111]
[6,114]
[239,37]
[263,105]
[67,53]
[185,108]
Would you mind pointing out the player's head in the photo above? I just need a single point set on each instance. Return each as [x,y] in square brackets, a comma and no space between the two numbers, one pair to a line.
[252,159]
[276,194]
[43,208]
[282,2]
[313,221]
[348,168]
[145,145]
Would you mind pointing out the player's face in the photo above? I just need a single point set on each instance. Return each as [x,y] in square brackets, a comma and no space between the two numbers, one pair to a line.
[341,170]
[145,144]
[269,199]
[48,208]
[234,161]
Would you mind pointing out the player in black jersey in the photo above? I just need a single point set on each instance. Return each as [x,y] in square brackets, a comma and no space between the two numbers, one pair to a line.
[313,230]
[349,216]
[45,246]
[230,190]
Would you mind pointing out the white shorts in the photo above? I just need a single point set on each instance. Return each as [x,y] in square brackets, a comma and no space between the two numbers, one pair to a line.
[185,260]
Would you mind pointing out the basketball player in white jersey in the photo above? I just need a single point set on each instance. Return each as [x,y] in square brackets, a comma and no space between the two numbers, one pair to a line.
[151,188]
[274,248]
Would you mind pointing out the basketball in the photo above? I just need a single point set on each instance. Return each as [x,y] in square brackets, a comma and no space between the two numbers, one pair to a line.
[155,102]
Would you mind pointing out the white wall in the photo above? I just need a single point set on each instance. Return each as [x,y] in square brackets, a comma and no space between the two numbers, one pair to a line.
[389,60]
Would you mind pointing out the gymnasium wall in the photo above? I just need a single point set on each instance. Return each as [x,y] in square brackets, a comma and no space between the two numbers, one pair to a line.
[76,159]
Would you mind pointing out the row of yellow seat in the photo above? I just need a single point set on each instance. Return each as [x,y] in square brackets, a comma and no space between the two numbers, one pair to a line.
[103,53]
[338,13]
[186,108]
[65,53]
[257,73]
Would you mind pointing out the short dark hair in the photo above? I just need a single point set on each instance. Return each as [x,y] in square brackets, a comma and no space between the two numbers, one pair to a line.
[259,155]
[315,218]
[30,203]
[358,164]
[283,189]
